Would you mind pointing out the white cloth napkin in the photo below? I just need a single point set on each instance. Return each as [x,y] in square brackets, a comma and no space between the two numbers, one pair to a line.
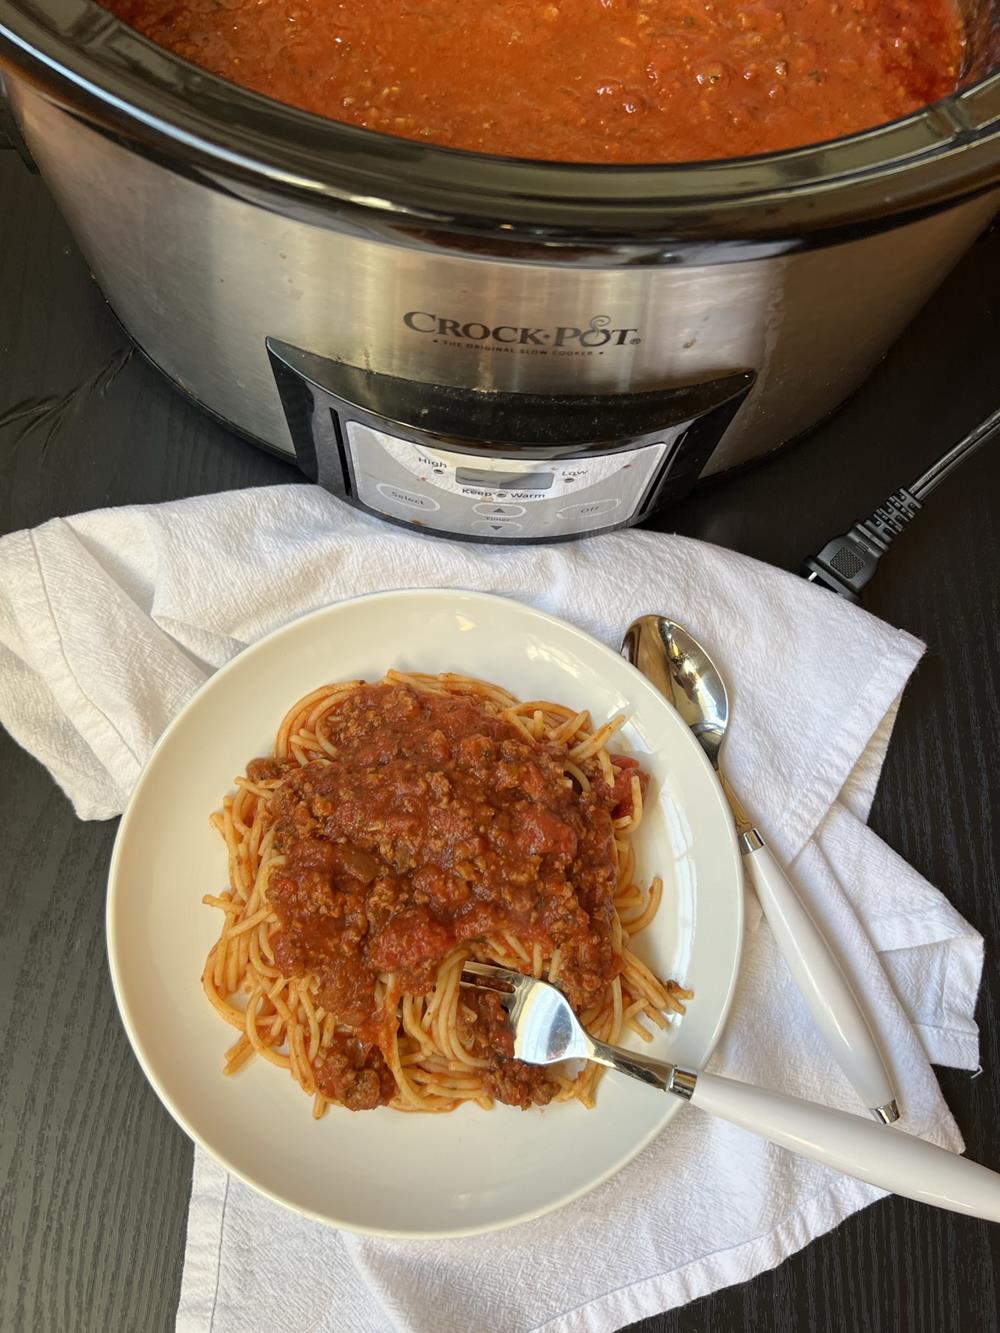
[108,623]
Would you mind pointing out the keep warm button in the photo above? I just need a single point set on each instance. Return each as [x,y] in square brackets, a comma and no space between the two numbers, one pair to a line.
[589,509]
[412,499]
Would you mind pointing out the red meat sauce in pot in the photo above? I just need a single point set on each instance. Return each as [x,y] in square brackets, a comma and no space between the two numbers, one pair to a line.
[434,823]
[579,80]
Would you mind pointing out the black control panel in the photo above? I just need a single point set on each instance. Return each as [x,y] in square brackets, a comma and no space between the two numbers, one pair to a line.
[502,467]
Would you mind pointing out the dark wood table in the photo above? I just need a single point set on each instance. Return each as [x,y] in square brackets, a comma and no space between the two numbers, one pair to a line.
[94,1175]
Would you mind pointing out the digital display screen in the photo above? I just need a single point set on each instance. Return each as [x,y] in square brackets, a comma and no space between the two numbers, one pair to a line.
[521,481]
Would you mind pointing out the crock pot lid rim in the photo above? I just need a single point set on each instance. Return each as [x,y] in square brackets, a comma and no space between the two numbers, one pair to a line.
[355,165]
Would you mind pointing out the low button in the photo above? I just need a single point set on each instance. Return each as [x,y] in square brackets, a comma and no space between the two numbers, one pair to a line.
[497,526]
[499,510]
[411,499]
[588,509]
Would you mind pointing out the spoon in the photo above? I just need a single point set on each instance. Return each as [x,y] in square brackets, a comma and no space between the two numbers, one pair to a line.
[681,669]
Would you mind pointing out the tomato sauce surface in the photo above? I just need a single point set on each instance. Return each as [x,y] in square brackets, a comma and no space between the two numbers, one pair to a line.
[578,80]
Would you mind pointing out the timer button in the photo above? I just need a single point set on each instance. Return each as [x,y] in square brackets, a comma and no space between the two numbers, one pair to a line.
[499,510]
[411,499]
[496,526]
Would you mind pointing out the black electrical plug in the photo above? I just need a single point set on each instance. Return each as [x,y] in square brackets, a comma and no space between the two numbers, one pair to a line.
[846,564]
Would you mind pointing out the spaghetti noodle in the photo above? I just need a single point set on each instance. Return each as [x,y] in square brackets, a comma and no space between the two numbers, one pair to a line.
[400,829]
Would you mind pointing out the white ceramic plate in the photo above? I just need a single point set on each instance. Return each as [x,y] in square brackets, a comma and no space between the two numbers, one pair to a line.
[382,1171]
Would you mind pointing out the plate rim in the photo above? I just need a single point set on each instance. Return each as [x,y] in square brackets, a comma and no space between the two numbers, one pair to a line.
[113,894]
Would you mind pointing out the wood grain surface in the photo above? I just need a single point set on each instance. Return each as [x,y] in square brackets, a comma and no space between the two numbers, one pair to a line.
[94,1176]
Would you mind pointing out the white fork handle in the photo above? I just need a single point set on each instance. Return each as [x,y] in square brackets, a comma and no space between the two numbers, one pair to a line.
[887,1158]
[818,975]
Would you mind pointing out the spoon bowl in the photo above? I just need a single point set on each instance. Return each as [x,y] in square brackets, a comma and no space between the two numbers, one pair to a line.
[682,670]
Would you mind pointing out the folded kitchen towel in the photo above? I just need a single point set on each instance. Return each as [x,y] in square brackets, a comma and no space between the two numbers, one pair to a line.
[109,621]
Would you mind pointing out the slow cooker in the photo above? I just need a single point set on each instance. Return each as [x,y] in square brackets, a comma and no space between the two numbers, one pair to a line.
[488,347]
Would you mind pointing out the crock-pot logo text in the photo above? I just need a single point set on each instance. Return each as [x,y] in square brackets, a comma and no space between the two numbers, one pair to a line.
[595,336]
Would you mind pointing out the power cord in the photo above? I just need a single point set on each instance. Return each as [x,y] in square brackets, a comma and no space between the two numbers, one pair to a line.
[846,564]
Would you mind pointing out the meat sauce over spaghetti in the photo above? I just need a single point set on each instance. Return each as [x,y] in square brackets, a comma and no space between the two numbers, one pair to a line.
[579,80]
[407,826]
[434,824]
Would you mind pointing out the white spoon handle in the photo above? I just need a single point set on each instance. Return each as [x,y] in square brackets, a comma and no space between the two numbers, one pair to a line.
[819,977]
[887,1158]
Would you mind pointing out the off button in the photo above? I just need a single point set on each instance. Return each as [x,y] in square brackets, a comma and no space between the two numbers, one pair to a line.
[412,499]
[589,509]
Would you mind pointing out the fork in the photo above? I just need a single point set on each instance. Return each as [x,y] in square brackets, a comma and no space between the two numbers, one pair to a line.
[546,1031]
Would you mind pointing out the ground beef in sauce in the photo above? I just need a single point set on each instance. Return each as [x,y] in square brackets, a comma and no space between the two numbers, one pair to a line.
[484,1030]
[355,1074]
[435,823]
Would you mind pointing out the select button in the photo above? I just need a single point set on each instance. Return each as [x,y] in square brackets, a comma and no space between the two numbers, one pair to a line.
[499,510]
[411,499]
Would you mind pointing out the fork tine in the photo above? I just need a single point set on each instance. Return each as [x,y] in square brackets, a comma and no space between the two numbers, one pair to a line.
[494,973]
[510,983]
[506,997]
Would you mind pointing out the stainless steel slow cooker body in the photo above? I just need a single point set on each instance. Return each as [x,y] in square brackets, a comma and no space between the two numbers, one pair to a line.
[406,319]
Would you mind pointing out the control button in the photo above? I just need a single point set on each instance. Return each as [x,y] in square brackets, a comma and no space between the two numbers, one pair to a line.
[506,519]
[499,510]
[496,526]
[589,509]
[412,499]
